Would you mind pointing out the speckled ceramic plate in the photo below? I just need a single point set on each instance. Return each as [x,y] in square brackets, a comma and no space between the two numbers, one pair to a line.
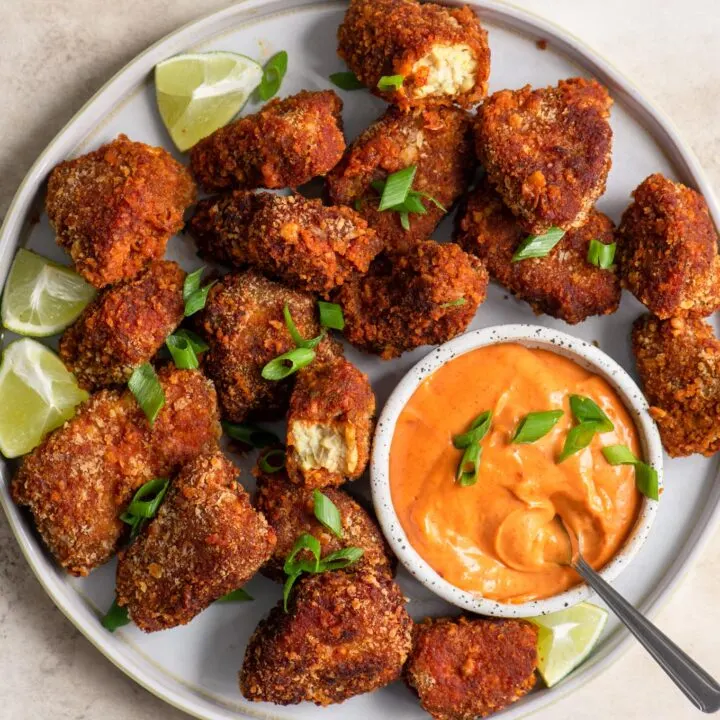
[195,667]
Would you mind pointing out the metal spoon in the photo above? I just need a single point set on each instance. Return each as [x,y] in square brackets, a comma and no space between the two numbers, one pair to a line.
[699,687]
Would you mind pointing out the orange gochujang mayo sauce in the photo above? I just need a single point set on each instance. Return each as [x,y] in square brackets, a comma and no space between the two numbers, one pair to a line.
[500,537]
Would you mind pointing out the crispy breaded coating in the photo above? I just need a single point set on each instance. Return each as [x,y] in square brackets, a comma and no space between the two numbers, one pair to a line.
[679,365]
[346,633]
[329,424]
[438,141]
[562,284]
[115,209]
[669,255]
[424,297]
[442,53]
[205,541]
[287,143]
[547,151]
[301,242]
[464,668]
[83,475]
[289,510]
[124,326]
[244,325]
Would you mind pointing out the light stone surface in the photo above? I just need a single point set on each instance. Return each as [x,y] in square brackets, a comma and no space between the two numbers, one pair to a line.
[55,54]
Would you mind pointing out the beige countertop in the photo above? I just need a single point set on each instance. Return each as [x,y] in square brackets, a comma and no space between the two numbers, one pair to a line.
[57,53]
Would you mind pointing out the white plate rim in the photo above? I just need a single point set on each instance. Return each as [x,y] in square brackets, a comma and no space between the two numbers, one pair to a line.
[133,75]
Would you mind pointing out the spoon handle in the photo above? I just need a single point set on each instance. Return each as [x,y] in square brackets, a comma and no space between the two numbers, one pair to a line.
[701,689]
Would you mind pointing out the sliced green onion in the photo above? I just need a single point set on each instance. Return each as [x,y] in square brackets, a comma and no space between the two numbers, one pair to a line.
[195,296]
[346,81]
[396,187]
[192,283]
[238,595]
[619,455]
[287,587]
[331,315]
[115,617]
[297,338]
[147,499]
[412,204]
[536,425]
[405,221]
[478,429]
[534,246]
[249,434]
[341,558]
[327,513]
[146,388]
[273,74]
[390,82]
[288,363]
[429,197]
[601,255]
[454,303]
[182,351]
[646,477]
[586,410]
[198,344]
[306,541]
[264,461]
[467,472]
[577,439]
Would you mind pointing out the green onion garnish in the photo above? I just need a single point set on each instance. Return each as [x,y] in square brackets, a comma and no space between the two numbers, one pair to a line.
[195,296]
[454,303]
[405,221]
[297,338]
[265,464]
[238,595]
[144,505]
[341,558]
[146,388]
[534,246]
[467,472]
[586,410]
[601,255]
[198,344]
[535,425]
[115,617]
[327,513]
[331,315]
[578,438]
[390,82]
[346,81]
[182,352]
[288,363]
[431,199]
[250,434]
[273,74]
[646,477]
[478,429]
[396,187]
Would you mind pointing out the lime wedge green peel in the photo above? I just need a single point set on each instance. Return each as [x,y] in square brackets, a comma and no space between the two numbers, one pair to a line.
[566,638]
[199,93]
[42,298]
[38,394]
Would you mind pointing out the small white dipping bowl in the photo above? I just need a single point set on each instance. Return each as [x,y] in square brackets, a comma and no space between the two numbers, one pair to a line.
[533,336]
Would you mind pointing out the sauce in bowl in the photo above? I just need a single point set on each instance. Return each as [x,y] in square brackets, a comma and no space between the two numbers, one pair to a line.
[500,538]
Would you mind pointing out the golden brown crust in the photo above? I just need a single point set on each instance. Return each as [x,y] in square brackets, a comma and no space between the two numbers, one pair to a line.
[289,510]
[547,151]
[465,668]
[244,325]
[679,365]
[345,634]
[408,301]
[114,209]
[287,143]
[124,326]
[436,140]
[562,284]
[387,37]
[82,476]
[335,396]
[205,541]
[301,242]
[669,251]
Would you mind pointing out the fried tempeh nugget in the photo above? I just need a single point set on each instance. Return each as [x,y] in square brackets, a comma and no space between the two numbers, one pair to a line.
[464,668]
[206,541]
[425,297]
[286,144]
[115,209]
[303,243]
[441,53]
[124,326]
[289,510]
[562,284]
[244,325]
[679,365]
[329,424]
[83,475]
[345,633]
[547,151]
[438,141]
[669,255]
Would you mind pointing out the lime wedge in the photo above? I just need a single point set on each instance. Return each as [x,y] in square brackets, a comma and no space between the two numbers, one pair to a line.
[41,297]
[37,394]
[566,638]
[199,93]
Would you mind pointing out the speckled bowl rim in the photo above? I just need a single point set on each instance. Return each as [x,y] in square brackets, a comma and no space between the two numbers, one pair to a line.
[534,336]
